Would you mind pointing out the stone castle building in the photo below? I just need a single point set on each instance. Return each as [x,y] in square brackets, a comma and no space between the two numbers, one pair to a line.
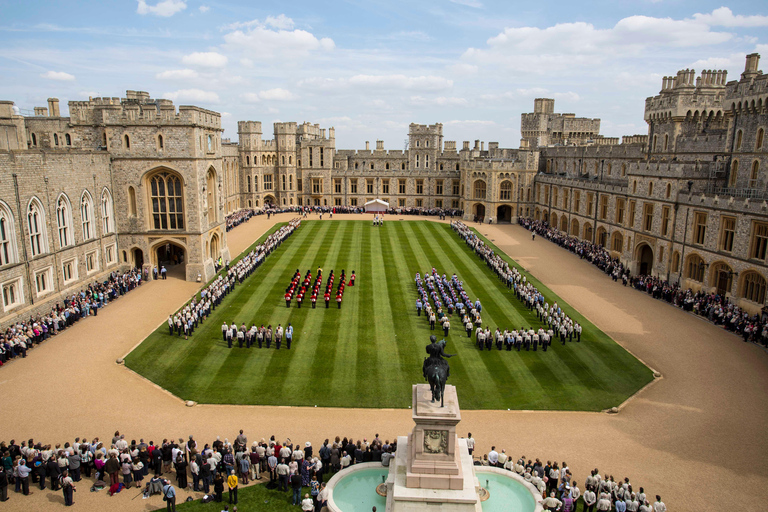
[138,182]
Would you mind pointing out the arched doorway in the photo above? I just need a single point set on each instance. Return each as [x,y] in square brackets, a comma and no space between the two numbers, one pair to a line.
[138,257]
[644,259]
[564,224]
[215,247]
[504,213]
[479,212]
[722,278]
[173,257]
[269,201]
[575,228]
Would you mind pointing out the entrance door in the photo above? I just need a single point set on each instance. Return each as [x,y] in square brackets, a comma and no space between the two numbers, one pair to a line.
[479,212]
[723,284]
[138,258]
[504,213]
[646,260]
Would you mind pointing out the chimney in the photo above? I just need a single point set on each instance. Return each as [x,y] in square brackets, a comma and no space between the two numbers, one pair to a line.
[465,145]
[750,69]
[482,146]
[379,145]
[367,146]
[477,144]
[53,107]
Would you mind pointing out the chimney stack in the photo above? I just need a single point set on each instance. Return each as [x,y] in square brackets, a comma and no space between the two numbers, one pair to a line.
[367,146]
[53,107]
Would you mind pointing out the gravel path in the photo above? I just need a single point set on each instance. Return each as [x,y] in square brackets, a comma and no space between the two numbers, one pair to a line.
[684,436]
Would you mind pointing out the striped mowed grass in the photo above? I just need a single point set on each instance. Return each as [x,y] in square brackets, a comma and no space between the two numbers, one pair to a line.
[370,352]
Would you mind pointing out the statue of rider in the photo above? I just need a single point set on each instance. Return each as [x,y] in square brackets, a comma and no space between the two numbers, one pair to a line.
[436,351]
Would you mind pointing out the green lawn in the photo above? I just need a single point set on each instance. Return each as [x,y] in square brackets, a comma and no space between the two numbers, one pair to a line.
[254,497]
[370,352]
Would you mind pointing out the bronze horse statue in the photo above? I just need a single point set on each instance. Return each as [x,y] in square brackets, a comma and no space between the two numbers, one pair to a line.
[436,369]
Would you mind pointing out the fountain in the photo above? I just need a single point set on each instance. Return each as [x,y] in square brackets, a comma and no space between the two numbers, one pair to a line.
[432,468]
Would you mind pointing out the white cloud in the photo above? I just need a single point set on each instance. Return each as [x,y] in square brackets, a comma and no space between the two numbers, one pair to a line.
[164,8]
[193,95]
[277,94]
[441,101]
[248,63]
[724,17]
[468,3]
[177,74]
[476,122]
[274,37]
[410,83]
[204,8]
[463,69]
[205,59]
[250,97]
[58,75]
[567,96]
[281,22]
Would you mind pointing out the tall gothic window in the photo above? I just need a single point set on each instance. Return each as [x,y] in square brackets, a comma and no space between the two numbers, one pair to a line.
[505,191]
[36,227]
[167,201]
[64,221]
[7,243]
[106,212]
[86,215]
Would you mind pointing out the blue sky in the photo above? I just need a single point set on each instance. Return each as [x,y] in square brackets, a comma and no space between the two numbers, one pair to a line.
[371,67]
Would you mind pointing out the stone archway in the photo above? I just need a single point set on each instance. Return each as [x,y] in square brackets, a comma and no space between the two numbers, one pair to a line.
[504,213]
[644,259]
[138,257]
[269,201]
[171,255]
[214,250]
[479,211]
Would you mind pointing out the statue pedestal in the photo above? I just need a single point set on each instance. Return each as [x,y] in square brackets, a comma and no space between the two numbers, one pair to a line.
[432,466]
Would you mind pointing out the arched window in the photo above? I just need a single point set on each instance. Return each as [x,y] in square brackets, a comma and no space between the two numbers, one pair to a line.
[86,215]
[402,166]
[666,142]
[64,221]
[650,188]
[505,191]
[8,253]
[695,268]
[127,142]
[623,170]
[68,139]
[754,287]
[263,159]
[36,227]
[107,225]
[479,189]
[753,176]
[457,167]
[759,140]
[34,139]
[56,139]
[283,159]
[669,191]
[675,261]
[734,173]
[160,144]
[210,182]
[617,243]
[167,201]
[290,160]
[355,165]
[131,201]
[738,140]
[386,166]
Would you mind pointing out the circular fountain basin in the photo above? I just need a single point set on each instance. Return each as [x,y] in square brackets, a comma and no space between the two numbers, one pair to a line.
[354,489]
[508,491]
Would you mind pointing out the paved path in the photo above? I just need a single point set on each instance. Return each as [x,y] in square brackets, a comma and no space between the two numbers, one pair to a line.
[684,437]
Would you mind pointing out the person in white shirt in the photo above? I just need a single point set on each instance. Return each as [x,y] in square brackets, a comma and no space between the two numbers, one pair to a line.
[575,492]
[346,460]
[470,443]
[589,500]
[493,456]
[306,504]
[551,503]
[502,457]
[659,506]
[604,503]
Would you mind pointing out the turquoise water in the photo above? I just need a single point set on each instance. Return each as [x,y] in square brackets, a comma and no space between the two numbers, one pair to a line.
[356,492]
[507,494]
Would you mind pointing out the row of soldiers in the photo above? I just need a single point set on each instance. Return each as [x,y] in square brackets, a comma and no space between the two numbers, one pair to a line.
[300,288]
[257,335]
[187,319]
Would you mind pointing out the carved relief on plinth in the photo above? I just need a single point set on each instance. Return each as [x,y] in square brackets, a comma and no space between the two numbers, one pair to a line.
[435,441]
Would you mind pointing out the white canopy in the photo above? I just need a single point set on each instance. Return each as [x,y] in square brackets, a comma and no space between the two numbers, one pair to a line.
[377,205]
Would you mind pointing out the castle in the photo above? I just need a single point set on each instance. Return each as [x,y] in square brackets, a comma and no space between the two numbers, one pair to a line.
[138,182]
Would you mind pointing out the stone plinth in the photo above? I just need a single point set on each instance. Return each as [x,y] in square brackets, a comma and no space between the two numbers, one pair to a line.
[433,458]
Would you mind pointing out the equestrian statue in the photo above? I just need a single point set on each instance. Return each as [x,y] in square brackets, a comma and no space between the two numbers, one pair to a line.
[435,369]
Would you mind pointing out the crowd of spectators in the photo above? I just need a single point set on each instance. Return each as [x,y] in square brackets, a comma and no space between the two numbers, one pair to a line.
[23,335]
[238,218]
[716,308]
[212,468]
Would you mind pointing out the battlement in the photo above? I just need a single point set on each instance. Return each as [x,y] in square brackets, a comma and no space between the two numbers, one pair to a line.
[634,139]
[423,129]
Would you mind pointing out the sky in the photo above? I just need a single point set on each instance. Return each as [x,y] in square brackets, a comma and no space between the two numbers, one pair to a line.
[371,67]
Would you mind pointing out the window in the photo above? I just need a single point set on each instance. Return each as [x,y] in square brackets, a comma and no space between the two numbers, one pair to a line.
[369,186]
[650,188]
[337,186]
[439,188]
[759,140]
[753,176]
[675,261]
[7,236]
[565,199]
[167,201]
[664,220]
[63,219]
[385,187]
[623,170]
[634,186]
[759,242]
[355,165]
[727,232]
[401,186]
[505,191]
[419,186]
[631,214]
[248,179]
[131,200]
[56,139]
[402,166]
[603,207]
[321,158]
[336,201]
[590,202]
[317,185]
[267,182]
[738,140]
[127,142]
[256,184]
[418,203]
[12,294]
[210,143]
[91,262]
[69,270]
[620,205]
[479,189]
[618,242]
[647,217]
[106,212]
[284,182]
[309,150]
[554,195]
[417,161]
[455,203]
[44,281]
[754,287]
[353,186]
[455,187]
[426,160]
[68,139]
[695,268]
[608,168]
[86,214]
[669,191]
[160,144]
[36,227]
[699,228]
[34,140]
[352,201]
[577,201]
[438,203]
[401,203]
[734,173]
[666,142]
[371,165]
[386,166]
[110,252]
